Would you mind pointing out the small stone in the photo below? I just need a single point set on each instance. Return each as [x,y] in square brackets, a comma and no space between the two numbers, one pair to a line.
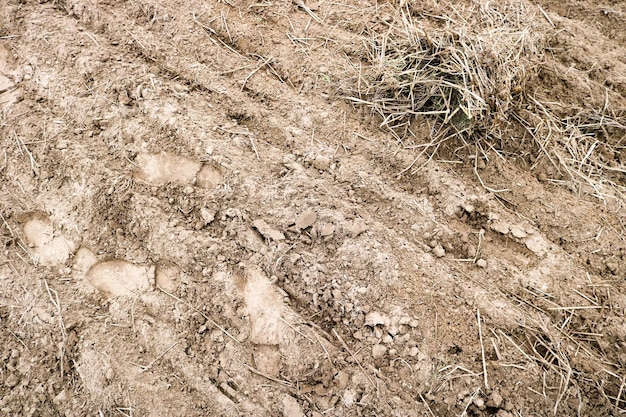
[207,215]
[62,144]
[12,381]
[348,398]
[537,245]
[357,228]
[469,208]
[481,263]
[291,407]
[508,405]
[612,266]
[479,402]
[439,251]
[109,374]
[232,213]
[518,232]
[413,351]
[327,230]
[542,177]
[503,413]
[378,333]
[267,231]
[341,380]
[375,318]
[188,189]
[306,219]
[167,277]
[495,400]
[60,398]
[120,278]
[378,351]
[500,227]
[387,339]
[480,164]
[322,163]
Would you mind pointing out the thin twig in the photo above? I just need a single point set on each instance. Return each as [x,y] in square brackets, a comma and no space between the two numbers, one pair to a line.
[271,378]
[427,406]
[144,368]
[543,12]
[258,67]
[482,349]
[294,328]
[301,4]
[256,152]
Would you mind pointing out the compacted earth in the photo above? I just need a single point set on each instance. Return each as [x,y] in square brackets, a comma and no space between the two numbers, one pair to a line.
[199,218]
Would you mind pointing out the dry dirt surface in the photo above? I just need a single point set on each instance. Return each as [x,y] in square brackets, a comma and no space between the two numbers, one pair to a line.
[197,221]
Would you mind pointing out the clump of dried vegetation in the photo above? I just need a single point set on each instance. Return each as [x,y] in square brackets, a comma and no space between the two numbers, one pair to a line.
[459,73]
[467,76]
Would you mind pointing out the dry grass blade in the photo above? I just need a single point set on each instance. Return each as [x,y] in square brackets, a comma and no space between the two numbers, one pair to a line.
[304,7]
[147,367]
[559,340]
[482,350]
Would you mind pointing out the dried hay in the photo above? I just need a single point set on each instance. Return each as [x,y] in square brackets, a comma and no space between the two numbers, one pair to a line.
[567,342]
[468,77]
[584,147]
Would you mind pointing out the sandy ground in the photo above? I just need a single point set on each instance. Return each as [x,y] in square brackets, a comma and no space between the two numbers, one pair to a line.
[196,223]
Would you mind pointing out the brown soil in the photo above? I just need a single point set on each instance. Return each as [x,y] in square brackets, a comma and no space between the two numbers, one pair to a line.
[196,223]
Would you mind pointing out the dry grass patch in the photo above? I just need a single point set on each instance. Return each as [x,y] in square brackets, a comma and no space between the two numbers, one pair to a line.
[571,344]
[465,73]
[585,148]
[468,76]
